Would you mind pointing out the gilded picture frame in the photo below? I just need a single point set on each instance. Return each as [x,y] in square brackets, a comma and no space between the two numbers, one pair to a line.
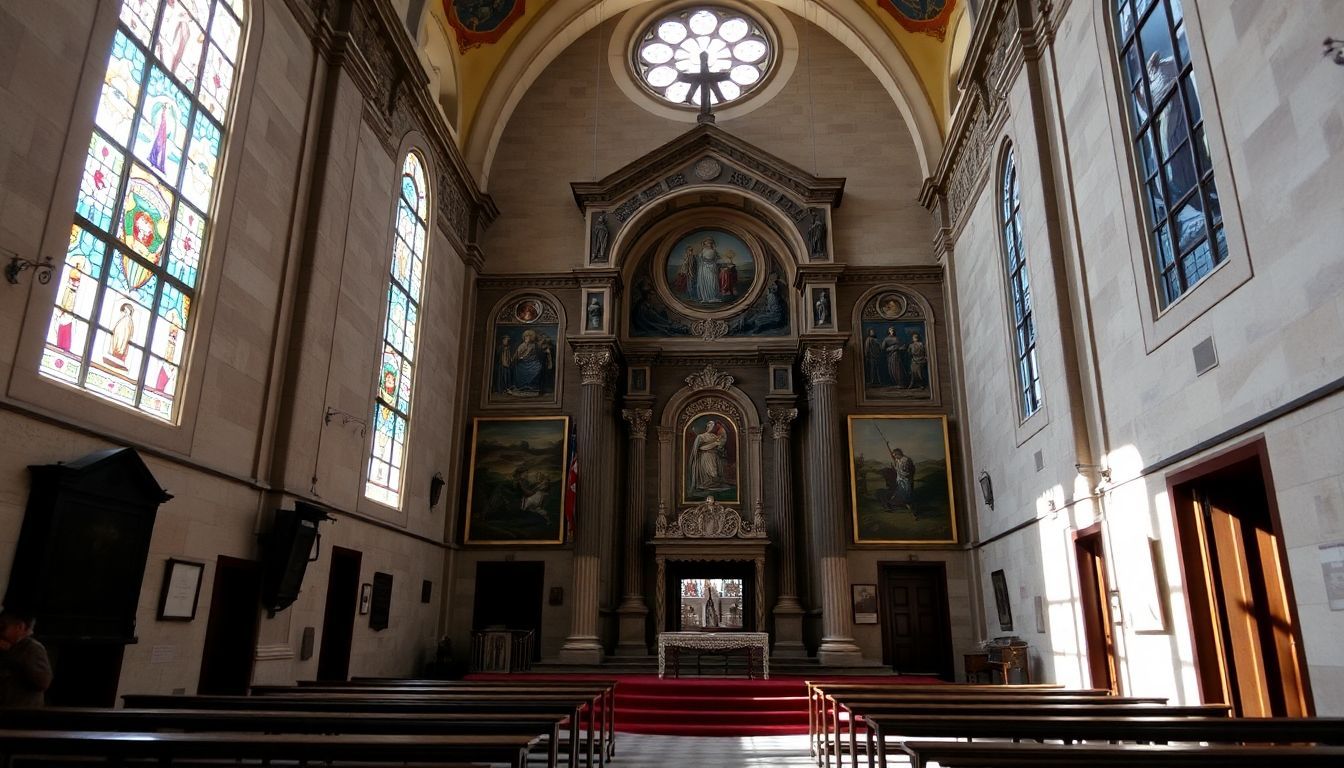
[900,479]
[516,480]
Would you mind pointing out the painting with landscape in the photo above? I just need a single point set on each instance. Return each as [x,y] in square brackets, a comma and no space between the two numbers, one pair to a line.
[516,483]
[900,480]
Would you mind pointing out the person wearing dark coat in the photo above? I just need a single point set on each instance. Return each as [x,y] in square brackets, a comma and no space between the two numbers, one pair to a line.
[25,670]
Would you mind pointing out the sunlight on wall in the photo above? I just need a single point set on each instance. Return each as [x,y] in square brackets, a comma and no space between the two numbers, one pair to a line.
[1063,623]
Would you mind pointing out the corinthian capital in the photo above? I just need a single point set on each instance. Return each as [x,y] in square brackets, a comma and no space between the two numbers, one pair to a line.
[781,420]
[820,364]
[596,365]
[639,421]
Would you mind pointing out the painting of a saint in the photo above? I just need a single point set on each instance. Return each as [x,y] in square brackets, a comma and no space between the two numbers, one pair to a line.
[710,270]
[516,488]
[710,447]
[895,360]
[480,22]
[524,356]
[900,480]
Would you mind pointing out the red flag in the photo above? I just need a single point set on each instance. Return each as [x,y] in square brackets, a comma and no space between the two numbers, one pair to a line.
[572,486]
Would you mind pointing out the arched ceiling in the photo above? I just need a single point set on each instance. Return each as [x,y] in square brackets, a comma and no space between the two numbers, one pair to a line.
[479,87]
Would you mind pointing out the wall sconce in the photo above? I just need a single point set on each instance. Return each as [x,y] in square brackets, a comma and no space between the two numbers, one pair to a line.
[436,484]
[987,489]
[17,264]
[1334,50]
[1105,472]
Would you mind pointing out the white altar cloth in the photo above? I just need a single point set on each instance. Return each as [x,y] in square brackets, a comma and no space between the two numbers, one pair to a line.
[715,641]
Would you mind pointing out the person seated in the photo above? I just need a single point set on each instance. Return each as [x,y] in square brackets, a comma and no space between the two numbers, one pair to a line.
[25,670]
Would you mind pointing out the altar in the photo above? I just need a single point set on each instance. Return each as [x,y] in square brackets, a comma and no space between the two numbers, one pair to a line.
[755,644]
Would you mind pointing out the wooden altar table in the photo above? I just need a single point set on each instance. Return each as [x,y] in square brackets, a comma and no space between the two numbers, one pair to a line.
[754,643]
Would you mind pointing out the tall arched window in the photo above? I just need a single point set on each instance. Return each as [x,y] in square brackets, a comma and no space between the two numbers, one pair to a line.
[1171,149]
[145,203]
[1019,290]
[392,411]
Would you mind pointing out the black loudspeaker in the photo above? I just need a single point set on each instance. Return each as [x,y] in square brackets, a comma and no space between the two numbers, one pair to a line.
[285,551]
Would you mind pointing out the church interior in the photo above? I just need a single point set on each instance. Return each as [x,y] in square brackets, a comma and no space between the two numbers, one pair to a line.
[940,340]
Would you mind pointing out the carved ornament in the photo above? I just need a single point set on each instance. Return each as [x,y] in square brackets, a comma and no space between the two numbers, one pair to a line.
[638,419]
[781,421]
[597,365]
[820,364]
[709,330]
[710,378]
[719,405]
[709,520]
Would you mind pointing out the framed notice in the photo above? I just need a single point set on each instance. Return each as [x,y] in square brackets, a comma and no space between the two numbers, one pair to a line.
[864,598]
[181,590]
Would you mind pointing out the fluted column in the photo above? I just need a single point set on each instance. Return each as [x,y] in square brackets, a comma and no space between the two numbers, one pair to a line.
[826,508]
[788,612]
[632,610]
[584,645]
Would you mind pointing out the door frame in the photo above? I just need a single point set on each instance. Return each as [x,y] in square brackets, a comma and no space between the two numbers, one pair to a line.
[334,601]
[939,569]
[1094,601]
[1202,617]
[224,565]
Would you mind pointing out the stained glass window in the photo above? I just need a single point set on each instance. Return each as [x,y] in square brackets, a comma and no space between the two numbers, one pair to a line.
[146,197]
[736,44]
[392,409]
[1171,149]
[1019,291]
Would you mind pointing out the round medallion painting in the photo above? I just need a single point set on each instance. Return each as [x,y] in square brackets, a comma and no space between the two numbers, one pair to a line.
[710,270]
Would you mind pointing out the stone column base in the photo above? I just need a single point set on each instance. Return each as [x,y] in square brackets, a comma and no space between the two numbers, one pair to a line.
[581,650]
[839,652]
[788,630]
[632,640]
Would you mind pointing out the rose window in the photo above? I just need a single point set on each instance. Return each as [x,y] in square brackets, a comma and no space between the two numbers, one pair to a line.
[737,47]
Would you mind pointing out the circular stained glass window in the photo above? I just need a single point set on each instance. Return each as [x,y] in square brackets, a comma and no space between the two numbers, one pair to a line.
[672,52]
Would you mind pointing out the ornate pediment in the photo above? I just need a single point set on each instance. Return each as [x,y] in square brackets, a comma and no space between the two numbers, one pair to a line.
[709,520]
[710,378]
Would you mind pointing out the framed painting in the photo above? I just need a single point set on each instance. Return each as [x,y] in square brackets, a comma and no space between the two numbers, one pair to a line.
[709,451]
[821,307]
[516,481]
[709,270]
[596,318]
[181,590]
[864,599]
[523,362]
[1001,604]
[900,479]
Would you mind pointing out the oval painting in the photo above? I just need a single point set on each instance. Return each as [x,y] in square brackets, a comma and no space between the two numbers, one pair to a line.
[710,270]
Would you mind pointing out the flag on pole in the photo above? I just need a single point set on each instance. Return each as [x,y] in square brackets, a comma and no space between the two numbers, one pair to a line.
[572,487]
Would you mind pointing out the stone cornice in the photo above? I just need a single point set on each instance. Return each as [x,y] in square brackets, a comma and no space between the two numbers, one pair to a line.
[894,274]
[528,280]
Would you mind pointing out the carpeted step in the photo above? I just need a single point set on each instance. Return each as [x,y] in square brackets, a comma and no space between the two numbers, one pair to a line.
[696,716]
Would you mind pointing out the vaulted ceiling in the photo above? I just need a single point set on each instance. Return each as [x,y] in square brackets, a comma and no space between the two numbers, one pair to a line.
[478,87]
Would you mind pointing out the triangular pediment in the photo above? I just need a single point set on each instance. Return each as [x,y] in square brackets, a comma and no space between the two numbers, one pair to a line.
[117,473]
[708,156]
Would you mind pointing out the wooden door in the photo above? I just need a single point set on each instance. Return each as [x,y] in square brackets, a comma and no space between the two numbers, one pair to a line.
[916,631]
[509,594]
[231,634]
[338,619]
[1241,606]
[1095,597]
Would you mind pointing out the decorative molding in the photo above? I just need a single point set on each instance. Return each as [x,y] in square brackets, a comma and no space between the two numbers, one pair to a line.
[710,378]
[709,330]
[820,364]
[709,520]
[874,275]
[638,419]
[781,421]
[538,280]
[273,652]
[720,405]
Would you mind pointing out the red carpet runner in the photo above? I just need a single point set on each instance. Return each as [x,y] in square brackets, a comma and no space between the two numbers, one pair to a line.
[713,706]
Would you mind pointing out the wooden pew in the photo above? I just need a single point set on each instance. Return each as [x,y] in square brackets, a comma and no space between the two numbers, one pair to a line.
[843,706]
[603,691]
[363,748]
[951,754]
[568,708]
[234,721]
[1029,725]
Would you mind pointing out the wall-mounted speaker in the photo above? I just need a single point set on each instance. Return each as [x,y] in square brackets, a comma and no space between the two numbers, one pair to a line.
[285,551]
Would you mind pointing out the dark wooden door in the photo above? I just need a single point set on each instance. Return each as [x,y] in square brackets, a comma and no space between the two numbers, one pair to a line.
[1096,609]
[508,594]
[1244,626]
[231,634]
[916,631]
[338,619]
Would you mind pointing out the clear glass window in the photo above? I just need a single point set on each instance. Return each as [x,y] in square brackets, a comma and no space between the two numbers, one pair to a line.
[1171,150]
[1019,290]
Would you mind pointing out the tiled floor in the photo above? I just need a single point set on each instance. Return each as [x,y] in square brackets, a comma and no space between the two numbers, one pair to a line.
[640,751]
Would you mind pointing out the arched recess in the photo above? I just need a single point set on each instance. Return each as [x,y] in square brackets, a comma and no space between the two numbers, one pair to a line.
[710,391]
[912,309]
[509,317]
[440,61]
[647,236]
[565,21]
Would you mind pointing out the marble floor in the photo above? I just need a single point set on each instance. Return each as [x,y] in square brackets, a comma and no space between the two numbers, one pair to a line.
[641,751]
